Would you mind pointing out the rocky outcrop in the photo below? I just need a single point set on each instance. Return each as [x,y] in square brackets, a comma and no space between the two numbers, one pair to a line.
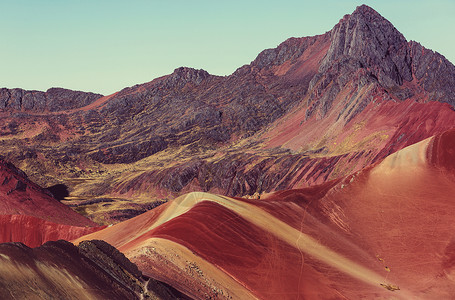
[54,99]
[434,72]
[93,270]
[184,75]
[288,51]
[368,37]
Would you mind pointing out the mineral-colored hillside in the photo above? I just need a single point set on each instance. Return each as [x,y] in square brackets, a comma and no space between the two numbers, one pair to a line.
[29,214]
[324,169]
[308,111]
[387,228]
[21,196]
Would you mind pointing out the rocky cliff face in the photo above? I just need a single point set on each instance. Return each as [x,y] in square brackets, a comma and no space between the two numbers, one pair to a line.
[374,42]
[367,50]
[434,73]
[54,99]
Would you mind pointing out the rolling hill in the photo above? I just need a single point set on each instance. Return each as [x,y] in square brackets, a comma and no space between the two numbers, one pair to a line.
[387,228]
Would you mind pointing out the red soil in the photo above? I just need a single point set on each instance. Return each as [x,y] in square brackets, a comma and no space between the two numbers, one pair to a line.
[20,196]
[268,266]
[386,227]
[31,216]
[34,232]
[389,119]
[442,151]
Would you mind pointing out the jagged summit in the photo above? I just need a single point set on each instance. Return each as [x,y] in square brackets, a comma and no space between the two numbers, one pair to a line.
[374,42]
[367,20]
[186,74]
[189,71]
[368,14]
[368,11]
[362,39]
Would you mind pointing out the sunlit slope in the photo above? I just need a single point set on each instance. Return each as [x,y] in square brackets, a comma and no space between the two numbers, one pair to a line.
[384,232]
[30,215]
[21,196]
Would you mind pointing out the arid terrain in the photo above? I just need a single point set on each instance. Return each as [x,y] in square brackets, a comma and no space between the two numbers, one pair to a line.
[324,169]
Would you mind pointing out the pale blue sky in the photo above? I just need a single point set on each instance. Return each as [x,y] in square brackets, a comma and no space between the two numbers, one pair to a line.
[104,46]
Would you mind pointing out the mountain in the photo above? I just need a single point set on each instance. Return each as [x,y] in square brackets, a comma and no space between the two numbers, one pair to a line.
[60,270]
[309,111]
[22,196]
[385,231]
[323,169]
[29,214]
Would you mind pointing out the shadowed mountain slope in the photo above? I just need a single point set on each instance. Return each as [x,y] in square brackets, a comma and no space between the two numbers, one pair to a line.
[59,270]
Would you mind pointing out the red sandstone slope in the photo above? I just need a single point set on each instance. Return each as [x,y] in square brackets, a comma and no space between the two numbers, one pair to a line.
[34,232]
[385,232]
[382,128]
[31,216]
[20,196]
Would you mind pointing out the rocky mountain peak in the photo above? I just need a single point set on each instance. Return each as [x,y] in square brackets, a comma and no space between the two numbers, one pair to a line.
[367,12]
[374,42]
[290,49]
[185,75]
[54,99]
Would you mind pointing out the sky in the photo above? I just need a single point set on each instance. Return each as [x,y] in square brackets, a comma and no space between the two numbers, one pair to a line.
[103,46]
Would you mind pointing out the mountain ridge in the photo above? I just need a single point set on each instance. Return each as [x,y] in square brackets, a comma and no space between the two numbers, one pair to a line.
[364,235]
[324,169]
[58,269]
[53,100]
[314,108]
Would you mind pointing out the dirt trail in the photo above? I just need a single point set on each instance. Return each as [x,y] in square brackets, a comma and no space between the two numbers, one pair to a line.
[212,277]
[278,228]
[267,222]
